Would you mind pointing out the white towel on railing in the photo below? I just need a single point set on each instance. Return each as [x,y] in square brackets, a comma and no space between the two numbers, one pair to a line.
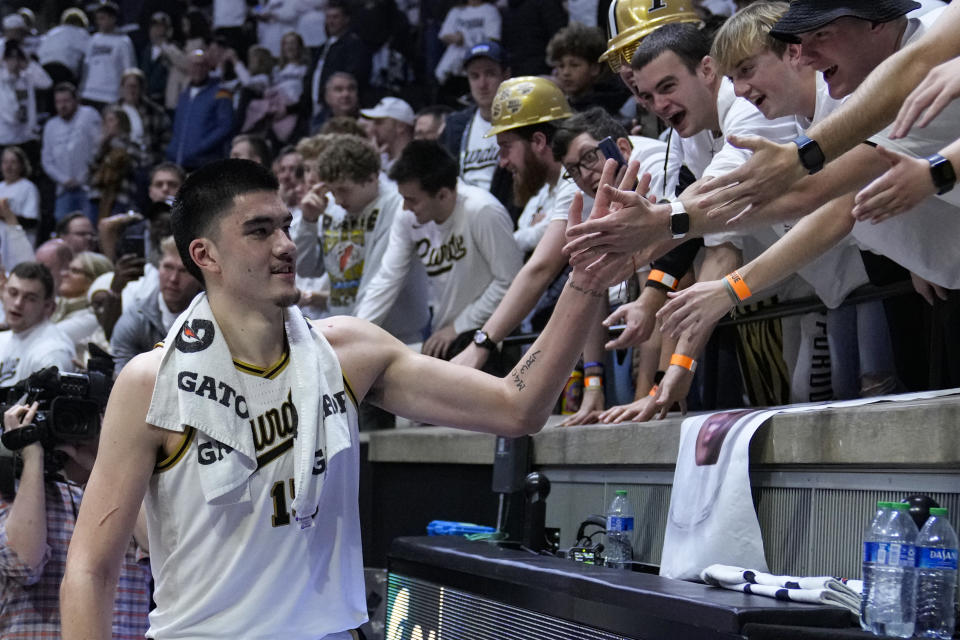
[815,589]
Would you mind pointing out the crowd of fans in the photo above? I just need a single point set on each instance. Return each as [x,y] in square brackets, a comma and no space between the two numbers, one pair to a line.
[431,155]
[104,113]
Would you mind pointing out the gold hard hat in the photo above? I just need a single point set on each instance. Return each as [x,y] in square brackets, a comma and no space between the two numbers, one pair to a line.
[524,101]
[630,21]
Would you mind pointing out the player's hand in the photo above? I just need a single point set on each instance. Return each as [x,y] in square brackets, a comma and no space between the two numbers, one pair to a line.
[640,318]
[473,356]
[590,407]
[904,185]
[769,173]
[694,310]
[439,342]
[621,223]
[936,91]
[314,203]
[927,289]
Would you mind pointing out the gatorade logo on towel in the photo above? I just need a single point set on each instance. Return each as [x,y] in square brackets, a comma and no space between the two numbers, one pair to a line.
[195,336]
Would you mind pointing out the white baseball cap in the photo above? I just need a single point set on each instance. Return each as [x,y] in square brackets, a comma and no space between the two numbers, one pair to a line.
[391,108]
[14,21]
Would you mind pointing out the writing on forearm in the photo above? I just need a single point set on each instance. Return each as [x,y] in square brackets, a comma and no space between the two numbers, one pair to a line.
[518,374]
[593,293]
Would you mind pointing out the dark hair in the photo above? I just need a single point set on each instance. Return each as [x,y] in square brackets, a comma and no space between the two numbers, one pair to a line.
[35,271]
[61,229]
[577,40]
[596,121]
[439,111]
[342,5]
[207,194]
[259,144]
[65,87]
[172,167]
[12,49]
[688,42]
[199,25]
[427,162]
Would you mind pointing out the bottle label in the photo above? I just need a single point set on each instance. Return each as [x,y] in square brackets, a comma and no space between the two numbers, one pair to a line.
[620,523]
[894,554]
[936,558]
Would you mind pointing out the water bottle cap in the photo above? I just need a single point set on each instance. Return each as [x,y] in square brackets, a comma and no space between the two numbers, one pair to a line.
[900,506]
[621,492]
[938,511]
[881,504]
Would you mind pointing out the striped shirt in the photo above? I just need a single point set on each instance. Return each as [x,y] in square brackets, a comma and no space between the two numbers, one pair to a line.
[30,598]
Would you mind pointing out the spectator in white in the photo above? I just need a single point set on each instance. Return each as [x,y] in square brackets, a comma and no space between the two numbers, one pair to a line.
[461,234]
[19,80]
[148,321]
[430,122]
[69,143]
[77,231]
[393,122]
[311,23]
[15,29]
[32,342]
[108,55]
[55,255]
[277,109]
[275,18]
[73,315]
[20,193]
[15,246]
[465,133]
[229,17]
[353,236]
[66,44]
[465,26]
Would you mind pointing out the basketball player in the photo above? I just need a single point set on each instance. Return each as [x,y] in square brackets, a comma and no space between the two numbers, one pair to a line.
[243,558]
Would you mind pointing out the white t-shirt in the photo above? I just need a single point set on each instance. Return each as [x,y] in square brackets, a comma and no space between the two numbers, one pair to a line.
[470,261]
[544,202]
[652,156]
[477,24]
[480,155]
[65,44]
[229,13]
[37,348]
[108,56]
[23,198]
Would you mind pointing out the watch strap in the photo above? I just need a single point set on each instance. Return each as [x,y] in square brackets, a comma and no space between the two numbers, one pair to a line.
[942,173]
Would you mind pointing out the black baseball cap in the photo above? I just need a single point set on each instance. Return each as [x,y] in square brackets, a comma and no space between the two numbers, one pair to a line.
[488,49]
[807,15]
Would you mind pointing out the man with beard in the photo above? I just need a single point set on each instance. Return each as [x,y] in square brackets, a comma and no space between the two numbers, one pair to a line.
[524,137]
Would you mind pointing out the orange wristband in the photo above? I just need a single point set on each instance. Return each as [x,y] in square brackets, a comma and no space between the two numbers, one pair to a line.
[684,361]
[653,390]
[739,286]
[593,382]
[665,279]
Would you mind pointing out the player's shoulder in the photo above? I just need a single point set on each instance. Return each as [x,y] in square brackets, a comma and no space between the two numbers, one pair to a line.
[141,370]
[364,350]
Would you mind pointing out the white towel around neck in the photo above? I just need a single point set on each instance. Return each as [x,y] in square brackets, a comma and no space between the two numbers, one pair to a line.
[210,399]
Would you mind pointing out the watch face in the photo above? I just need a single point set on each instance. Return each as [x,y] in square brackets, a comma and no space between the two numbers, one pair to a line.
[479,336]
[679,223]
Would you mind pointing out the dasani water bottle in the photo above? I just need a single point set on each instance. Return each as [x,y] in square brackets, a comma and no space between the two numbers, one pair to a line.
[936,577]
[889,572]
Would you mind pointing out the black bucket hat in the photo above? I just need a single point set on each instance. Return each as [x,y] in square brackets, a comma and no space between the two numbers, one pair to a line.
[808,15]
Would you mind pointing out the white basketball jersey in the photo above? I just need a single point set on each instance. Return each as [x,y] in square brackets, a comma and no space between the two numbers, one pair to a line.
[246,570]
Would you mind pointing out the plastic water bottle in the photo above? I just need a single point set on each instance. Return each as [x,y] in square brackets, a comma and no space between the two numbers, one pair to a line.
[889,572]
[936,577]
[619,552]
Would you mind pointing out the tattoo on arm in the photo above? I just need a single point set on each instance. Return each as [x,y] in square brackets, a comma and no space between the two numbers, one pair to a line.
[518,374]
[587,292]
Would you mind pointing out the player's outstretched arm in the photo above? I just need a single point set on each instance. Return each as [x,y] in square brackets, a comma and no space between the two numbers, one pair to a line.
[111,501]
[439,392]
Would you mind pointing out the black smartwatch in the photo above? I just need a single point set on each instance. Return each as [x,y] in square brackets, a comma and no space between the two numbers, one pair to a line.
[942,173]
[679,220]
[482,340]
[811,157]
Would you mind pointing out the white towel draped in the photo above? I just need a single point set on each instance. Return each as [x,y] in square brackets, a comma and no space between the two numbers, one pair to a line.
[198,386]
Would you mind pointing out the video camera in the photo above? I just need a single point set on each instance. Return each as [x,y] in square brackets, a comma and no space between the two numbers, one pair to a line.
[69,408]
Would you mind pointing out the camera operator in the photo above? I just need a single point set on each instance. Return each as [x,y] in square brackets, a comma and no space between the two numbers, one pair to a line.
[35,531]
[32,342]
